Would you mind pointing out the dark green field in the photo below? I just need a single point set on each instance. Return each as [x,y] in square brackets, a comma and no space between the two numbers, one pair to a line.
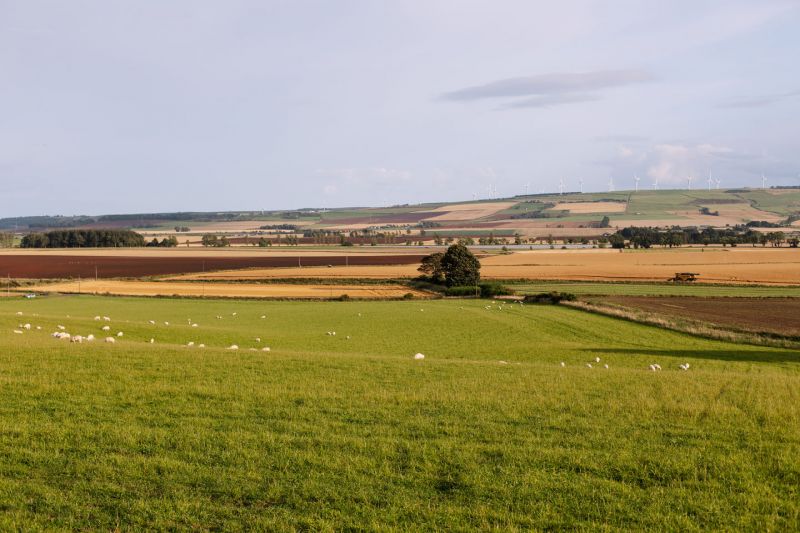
[326,432]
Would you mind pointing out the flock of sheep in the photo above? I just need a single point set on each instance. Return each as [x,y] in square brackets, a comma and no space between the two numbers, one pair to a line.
[63,335]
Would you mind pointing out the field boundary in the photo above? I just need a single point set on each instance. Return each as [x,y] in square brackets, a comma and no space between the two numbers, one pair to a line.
[691,327]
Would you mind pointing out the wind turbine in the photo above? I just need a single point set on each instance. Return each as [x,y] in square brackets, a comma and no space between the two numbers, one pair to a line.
[763,181]
[561,186]
[689,182]
[655,184]
[611,184]
[580,185]
[527,185]
[636,183]
[709,180]
[717,181]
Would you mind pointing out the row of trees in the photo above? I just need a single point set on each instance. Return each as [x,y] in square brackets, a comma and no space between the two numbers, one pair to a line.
[167,242]
[6,240]
[83,238]
[209,239]
[677,236]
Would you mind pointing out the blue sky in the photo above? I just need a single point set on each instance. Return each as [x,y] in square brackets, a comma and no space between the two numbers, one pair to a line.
[205,105]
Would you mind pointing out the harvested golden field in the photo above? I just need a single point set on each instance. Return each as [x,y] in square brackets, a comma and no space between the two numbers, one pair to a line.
[715,265]
[469,211]
[231,290]
[591,207]
[334,272]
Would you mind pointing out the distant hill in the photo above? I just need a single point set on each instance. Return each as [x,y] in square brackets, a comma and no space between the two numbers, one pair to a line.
[573,214]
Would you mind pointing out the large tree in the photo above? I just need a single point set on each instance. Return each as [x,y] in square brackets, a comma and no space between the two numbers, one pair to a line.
[432,267]
[460,267]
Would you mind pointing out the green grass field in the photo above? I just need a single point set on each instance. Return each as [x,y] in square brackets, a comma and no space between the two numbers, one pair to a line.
[653,289]
[326,432]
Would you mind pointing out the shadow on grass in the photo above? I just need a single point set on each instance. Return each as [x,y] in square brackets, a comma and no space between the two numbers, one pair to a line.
[754,356]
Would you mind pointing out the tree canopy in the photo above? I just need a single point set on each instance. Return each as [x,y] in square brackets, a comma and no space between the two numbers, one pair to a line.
[460,267]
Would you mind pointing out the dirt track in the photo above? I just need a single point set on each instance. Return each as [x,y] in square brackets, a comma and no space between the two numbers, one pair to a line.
[238,290]
[774,315]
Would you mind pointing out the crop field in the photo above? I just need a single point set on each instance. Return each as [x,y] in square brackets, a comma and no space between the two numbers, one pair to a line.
[655,289]
[227,290]
[743,265]
[779,316]
[89,265]
[350,432]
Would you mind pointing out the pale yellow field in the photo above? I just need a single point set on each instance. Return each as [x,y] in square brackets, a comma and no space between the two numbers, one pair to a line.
[591,207]
[715,265]
[240,290]
[469,211]
[250,251]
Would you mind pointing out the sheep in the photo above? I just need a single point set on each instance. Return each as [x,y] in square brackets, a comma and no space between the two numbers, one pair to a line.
[605,366]
[19,313]
[62,328]
[348,337]
[596,359]
[18,332]
[252,349]
[265,349]
[263,317]
[588,365]
[258,339]
[419,356]
[65,336]
[190,344]
[77,338]
[201,345]
[38,328]
[194,325]
[106,328]
[106,319]
[119,334]
[97,318]
[233,347]
[152,322]
[166,323]
[27,326]
[684,366]
[234,314]
[152,341]
[563,364]
[503,362]
[111,340]
[89,338]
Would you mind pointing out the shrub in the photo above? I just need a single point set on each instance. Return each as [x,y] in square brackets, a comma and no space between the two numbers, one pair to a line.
[344,298]
[491,289]
[553,297]
[408,296]
[462,290]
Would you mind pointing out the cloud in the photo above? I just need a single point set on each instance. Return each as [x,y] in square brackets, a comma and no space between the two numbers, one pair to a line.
[759,101]
[548,90]
[550,100]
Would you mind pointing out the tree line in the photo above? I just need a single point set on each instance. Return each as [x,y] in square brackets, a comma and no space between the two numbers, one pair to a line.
[640,237]
[83,238]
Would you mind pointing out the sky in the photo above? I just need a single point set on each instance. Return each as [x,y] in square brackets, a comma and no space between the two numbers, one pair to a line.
[199,105]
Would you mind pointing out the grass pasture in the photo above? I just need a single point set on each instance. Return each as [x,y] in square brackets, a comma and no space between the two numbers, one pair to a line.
[324,432]
[654,289]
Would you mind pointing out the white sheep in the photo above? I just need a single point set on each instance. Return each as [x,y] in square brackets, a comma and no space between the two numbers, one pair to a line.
[26,326]
[263,317]
[18,332]
[152,322]
[190,344]
[106,328]
[152,341]
[419,356]
[588,365]
[194,325]
[77,338]
[166,323]
[233,347]
[265,349]
[596,359]
[97,318]
[90,337]
[563,364]
[119,334]
[201,345]
[605,366]
[258,339]
[62,328]
[19,313]
[105,318]
[111,340]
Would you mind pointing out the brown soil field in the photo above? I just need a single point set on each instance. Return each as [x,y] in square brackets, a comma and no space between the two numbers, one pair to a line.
[591,207]
[468,211]
[715,265]
[379,219]
[774,315]
[228,290]
[41,266]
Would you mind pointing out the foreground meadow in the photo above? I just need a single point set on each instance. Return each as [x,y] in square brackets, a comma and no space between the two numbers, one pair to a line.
[323,431]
